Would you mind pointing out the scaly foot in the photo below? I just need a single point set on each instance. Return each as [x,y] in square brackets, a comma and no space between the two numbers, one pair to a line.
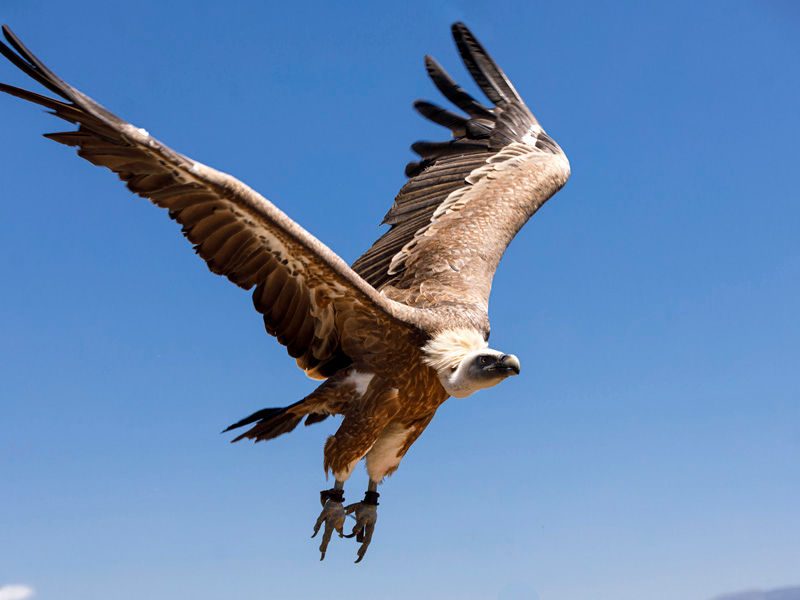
[332,515]
[366,515]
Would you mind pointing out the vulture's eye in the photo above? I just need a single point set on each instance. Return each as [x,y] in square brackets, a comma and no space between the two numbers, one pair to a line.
[485,361]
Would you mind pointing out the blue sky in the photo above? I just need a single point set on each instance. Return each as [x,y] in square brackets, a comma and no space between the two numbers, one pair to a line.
[651,448]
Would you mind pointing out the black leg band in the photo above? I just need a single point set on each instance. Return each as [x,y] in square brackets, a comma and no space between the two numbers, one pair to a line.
[371,498]
[332,494]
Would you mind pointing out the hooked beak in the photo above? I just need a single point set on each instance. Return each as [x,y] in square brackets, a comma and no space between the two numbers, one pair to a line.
[509,363]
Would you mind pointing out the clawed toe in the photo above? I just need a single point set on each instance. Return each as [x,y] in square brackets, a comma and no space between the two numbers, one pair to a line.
[366,515]
[332,516]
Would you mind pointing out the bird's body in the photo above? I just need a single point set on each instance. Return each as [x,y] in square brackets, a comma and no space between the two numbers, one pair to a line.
[403,329]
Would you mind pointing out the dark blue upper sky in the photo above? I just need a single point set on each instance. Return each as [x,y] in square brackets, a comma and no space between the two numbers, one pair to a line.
[651,448]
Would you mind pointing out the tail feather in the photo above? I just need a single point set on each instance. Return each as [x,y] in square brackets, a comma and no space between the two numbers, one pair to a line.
[329,398]
[270,422]
[315,418]
[266,413]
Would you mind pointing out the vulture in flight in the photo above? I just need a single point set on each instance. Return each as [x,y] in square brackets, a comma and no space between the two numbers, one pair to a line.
[406,326]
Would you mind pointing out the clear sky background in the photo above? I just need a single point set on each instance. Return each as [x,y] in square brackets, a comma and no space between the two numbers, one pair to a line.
[651,448]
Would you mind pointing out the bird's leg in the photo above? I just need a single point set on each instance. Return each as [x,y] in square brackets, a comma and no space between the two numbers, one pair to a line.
[366,514]
[332,515]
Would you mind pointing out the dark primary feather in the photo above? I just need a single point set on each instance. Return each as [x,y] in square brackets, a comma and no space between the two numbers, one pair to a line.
[453,92]
[492,81]
[444,166]
[441,116]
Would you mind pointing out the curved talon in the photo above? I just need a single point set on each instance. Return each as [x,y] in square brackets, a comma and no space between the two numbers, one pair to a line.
[332,516]
[366,518]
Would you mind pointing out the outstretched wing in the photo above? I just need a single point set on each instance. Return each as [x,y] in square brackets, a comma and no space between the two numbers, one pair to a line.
[467,197]
[310,299]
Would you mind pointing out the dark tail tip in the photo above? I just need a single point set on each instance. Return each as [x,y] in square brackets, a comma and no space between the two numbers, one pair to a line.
[268,423]
[264,414]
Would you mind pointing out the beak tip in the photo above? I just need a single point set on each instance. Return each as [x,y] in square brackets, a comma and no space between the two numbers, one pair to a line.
[512,363]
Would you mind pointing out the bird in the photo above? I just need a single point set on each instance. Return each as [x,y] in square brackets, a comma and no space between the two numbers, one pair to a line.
[402,329]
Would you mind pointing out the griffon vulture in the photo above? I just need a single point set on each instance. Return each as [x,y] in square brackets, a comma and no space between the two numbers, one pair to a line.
[406,326]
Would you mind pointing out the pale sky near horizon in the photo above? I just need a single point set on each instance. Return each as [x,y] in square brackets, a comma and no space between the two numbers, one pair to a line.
[651,447]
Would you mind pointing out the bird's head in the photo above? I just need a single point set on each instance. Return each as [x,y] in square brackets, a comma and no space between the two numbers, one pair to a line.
[478,370]
[465,363]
